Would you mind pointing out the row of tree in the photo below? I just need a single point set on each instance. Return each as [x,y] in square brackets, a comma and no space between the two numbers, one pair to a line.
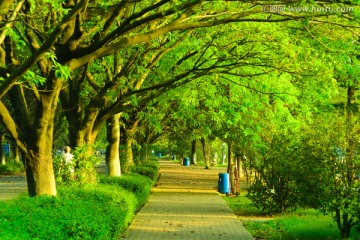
[127,73]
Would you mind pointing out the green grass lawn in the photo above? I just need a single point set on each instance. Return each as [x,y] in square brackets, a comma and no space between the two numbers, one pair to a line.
[308,224]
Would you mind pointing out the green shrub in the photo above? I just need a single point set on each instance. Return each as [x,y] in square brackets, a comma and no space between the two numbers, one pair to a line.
[310,226]
[138,184]
[91,212]
[101,211]
[63,172]
[150,169]
[243,206]
[12,167]
[304,223]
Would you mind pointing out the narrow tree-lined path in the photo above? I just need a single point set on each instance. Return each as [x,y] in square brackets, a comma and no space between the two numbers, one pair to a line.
[186,205]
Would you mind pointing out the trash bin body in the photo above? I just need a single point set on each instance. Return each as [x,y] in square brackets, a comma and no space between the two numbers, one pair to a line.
[224,183]
[159,155]
[186,162]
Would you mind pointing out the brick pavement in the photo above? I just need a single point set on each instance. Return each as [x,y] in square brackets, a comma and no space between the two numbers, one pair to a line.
[11,186]
[185,205]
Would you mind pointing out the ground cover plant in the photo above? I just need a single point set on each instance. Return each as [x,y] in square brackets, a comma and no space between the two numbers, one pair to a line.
[309,224]
[11,167]
[138,184]
[92,211]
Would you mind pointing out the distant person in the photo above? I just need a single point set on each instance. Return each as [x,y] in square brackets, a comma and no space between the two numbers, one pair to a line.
[68,164]
[223,158]
[215,159]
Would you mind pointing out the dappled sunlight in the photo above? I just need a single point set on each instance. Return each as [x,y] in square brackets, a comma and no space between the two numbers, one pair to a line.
[186,205]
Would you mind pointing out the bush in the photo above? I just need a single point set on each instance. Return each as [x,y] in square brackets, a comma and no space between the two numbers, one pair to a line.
[138,184]
[101,211]
[304,223]
[92,212]
[12,167]
[150,169]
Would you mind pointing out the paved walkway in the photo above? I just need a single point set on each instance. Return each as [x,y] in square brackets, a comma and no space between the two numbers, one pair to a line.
[185,205]
[11,186]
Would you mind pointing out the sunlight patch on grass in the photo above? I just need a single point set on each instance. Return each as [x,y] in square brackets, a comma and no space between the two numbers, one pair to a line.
[309,224]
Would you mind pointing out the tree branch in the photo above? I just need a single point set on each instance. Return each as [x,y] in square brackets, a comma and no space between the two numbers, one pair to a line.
[10,125]
[10,81]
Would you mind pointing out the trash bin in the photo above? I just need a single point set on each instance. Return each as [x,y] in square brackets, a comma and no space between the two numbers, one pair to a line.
[159,155]
[186,162]
[224,183]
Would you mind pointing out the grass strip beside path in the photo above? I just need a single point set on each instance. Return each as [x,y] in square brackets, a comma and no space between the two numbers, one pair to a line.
[307,224]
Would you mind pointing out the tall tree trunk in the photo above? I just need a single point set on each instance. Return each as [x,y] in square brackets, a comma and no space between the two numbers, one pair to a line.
[40,175]
[112,152]
[16,153]
[193,152]
[237,176]
[2,154]
[129,157]
[129,139]
[230,162]
[145,152]
[351,95]
[230,168]
[38,161]
[205,153]
[344,223]
[223,153]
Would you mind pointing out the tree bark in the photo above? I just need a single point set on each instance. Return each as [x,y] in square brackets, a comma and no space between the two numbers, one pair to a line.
[2,154]
[129,139]
[351,95]
[205,153]
[16,154]
[40,175]
[129,157]
[231,168]
[38,161]
[193,152]
[112,152]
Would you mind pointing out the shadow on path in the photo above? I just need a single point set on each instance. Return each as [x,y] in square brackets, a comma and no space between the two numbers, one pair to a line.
[185,205]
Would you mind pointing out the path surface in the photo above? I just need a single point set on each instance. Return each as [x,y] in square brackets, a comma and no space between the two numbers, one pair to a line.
[185,205]
[11,186]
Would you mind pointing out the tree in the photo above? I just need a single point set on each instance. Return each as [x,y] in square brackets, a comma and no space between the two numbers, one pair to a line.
[59,43]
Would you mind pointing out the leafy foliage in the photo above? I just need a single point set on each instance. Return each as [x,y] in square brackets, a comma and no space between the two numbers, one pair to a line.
[149,169]
[85,162]
[138,184]
[69,216]
[101,211]
[11,167]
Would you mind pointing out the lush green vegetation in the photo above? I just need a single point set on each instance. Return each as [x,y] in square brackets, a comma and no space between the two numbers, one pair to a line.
[275,91]
[101,211]
[12,167]
[301,224]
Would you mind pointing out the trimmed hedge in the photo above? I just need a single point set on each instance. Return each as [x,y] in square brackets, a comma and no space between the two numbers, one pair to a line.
[92,212]
[101,211]
[150,169]
[138,184]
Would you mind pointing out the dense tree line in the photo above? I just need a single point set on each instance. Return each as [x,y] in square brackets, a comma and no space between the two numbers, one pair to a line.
[130,72]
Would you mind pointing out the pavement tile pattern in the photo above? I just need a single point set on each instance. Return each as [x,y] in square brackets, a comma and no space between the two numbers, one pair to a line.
[11,186]
[185,205]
